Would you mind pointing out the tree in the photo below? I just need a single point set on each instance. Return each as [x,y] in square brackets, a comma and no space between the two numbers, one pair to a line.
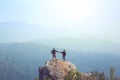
[112,73]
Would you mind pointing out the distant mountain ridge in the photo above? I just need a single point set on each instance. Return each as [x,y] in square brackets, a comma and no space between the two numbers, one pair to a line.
[82,45]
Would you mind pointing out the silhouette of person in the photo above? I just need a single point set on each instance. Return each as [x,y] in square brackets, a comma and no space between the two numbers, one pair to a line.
[53,52]
[63,55]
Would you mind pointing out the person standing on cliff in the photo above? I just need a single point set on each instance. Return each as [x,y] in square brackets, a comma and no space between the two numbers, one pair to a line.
[53,52]
[63,54]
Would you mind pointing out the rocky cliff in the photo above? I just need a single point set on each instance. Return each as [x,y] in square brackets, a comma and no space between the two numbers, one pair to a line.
[56,69]
[63,70]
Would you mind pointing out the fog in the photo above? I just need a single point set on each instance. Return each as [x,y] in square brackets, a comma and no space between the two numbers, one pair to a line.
[27,20]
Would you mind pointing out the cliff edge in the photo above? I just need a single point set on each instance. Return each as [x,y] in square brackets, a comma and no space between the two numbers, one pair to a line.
[64,70]
[56,70]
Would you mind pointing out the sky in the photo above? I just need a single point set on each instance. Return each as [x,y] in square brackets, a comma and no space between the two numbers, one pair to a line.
[59,18]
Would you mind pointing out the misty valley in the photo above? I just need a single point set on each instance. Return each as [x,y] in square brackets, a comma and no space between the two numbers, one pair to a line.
[20,61]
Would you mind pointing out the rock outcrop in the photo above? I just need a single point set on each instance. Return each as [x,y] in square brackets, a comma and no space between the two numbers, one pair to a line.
[56,70]
[64,70]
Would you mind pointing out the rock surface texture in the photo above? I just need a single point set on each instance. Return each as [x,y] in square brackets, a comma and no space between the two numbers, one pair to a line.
[56,69]
[64,70]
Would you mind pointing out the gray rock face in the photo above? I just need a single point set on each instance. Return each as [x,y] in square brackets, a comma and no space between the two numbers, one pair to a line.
[56,70]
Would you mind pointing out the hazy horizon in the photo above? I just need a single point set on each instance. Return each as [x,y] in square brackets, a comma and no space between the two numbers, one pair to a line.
[27,20]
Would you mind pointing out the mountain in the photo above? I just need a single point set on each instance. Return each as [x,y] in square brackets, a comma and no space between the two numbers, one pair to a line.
[87,45]
[20,32]
[20,61]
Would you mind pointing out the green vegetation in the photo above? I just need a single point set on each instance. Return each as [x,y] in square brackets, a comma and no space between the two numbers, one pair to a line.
[73,75]
[112,73]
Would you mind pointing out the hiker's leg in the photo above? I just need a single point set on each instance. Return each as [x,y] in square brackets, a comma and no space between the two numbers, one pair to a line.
[62,58]
[55,56]
[52,56]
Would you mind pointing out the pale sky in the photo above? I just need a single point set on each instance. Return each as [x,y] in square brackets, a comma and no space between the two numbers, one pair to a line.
[62,18]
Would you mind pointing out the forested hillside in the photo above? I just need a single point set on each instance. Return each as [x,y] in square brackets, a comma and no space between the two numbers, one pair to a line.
[20,61]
